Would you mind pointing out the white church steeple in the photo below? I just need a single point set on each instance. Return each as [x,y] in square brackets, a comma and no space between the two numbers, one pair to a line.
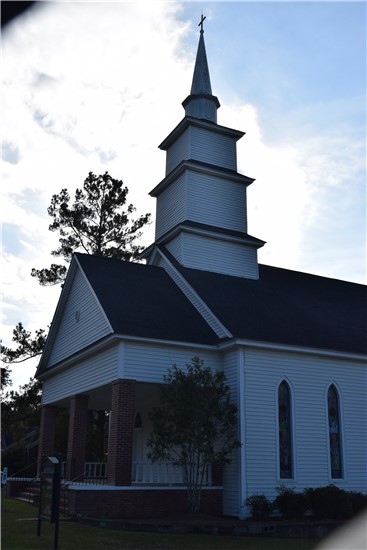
[201,218]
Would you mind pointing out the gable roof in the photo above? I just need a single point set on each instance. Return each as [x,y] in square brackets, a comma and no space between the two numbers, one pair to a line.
[287,307]
[282,307]
[142,301]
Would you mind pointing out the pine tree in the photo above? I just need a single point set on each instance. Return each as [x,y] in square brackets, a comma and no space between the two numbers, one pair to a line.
[98,222]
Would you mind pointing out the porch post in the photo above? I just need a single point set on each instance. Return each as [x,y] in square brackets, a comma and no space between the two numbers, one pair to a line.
[120,448]
[47,433]
[101,420]
[77,438]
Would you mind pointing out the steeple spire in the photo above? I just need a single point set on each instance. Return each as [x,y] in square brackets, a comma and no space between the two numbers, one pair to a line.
[201,103]
[201,79]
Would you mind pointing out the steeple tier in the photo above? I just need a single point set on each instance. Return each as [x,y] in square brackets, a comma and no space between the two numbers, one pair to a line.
[201,103]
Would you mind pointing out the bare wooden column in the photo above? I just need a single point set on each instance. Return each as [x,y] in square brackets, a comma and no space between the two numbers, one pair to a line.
[47,433]
[77,439]
[120,448]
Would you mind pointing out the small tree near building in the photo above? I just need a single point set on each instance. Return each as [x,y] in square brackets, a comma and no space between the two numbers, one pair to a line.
[194,424]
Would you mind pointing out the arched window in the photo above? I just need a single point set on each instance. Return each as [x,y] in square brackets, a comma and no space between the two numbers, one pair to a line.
[137,423]
[285,431]
[335,444]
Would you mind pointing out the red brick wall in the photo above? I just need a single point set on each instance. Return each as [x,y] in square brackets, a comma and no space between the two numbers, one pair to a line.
[121,504]
[47,433]
[77,438]
[120,447]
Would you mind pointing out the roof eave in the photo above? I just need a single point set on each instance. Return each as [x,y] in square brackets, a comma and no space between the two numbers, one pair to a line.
[201,123]
[293,348]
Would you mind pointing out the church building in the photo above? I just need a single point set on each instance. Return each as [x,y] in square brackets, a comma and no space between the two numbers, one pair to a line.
[292,345]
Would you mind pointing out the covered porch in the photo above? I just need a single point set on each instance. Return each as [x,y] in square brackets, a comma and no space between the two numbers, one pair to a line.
[121,482]
[117,455]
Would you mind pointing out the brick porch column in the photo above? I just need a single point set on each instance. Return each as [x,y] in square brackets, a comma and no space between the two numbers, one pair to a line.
[120,447]
[47,433]
[77,438]
[101,421]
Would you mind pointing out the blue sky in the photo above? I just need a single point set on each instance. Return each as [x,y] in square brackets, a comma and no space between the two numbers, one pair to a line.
[96,86]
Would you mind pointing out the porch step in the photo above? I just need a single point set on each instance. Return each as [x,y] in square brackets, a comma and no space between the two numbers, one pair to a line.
[29,495]
[25,499]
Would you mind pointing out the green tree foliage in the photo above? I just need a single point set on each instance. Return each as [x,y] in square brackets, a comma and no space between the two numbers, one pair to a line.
[28,346]
[194,425]
[20,418]
[5,377]
[260,506]
[97,222]
[20,409]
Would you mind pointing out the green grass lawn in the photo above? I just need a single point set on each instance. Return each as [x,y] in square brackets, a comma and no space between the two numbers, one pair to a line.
[19,532]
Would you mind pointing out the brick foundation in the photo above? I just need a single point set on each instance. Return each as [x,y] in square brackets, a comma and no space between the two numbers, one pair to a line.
[140,503]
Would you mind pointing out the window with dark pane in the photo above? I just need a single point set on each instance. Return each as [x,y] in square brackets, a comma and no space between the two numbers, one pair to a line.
[334,433]
[137,423]
[285,434]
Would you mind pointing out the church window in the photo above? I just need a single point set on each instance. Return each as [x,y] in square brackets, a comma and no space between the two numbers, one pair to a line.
[137,423]
[335,447]
[285,431]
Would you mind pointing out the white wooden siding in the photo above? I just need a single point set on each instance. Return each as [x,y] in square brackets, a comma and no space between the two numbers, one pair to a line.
[83,321]
[179,150]
[171,206]
[212,147]
[309,377]
[175,247]
[216,201]
[204,199]
[231,474]
[149,362]
[97,371]
[203,145]
[225,257]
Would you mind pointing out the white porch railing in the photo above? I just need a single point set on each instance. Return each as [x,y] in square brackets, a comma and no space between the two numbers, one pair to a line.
[161,473]
[96,470]
[145,472]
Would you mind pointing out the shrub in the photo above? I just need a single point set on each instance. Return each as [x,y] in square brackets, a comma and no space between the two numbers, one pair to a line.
[290,503]
[260,506]
[330,502]
[358,501]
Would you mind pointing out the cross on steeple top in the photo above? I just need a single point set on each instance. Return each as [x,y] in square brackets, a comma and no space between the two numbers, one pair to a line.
[201,24]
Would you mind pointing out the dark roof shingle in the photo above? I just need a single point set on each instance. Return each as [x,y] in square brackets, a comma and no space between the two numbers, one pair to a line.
[281,307]
[287,307]
[142,300]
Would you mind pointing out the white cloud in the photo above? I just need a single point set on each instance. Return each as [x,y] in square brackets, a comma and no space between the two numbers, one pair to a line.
[303,197]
